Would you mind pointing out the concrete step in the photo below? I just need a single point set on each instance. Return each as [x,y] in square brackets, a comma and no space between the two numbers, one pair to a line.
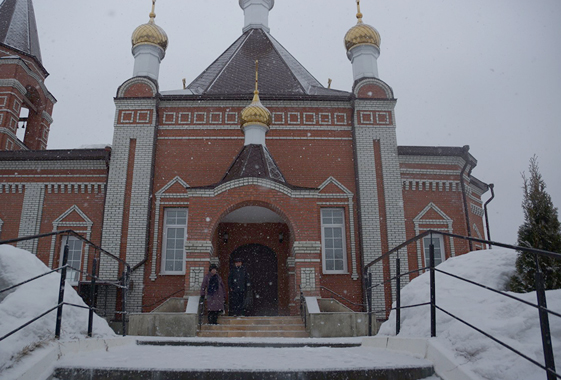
[259,320]
[130,374]
[253,327]
[234,359]
[253,334]
[288,343]
[264,327]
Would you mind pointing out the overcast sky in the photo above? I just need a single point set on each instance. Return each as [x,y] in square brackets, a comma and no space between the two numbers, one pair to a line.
[483,73]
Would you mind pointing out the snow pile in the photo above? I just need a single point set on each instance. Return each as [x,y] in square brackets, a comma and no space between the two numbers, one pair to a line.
[510,321]
[31,300]
[94,146]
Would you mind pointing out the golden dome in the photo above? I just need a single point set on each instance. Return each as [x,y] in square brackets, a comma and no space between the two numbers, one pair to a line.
[361,34]
[256,113]
[150,33]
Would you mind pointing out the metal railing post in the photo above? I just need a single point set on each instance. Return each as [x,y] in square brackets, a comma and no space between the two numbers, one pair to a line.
[303,307]
[92,295]
[201,310]
[369,301]
[432,290]
[61,290]
[397,295]
[544,323]
[125,291]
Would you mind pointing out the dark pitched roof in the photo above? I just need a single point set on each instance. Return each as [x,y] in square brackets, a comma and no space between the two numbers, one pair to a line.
[254,160]
[56,155]
[18,28]
[280,74]
[437,151]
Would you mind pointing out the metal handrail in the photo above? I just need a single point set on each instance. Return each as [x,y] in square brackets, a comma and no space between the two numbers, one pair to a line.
[499,292]
[63,269]
[483,241]
[541,296]
[70,232]
[303,307]
[201,311]
[163,298]
[343,298]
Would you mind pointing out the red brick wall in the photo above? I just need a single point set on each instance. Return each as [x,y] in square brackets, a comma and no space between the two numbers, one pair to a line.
[34,137]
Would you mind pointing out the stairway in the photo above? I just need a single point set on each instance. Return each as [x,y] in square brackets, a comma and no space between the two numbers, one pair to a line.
[255,327]
[235,359]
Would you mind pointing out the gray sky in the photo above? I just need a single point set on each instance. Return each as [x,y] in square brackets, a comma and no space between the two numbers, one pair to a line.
[480,72]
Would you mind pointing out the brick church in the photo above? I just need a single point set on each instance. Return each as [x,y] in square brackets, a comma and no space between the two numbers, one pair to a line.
[260,161]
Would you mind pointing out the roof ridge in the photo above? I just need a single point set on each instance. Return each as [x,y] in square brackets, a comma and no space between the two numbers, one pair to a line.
[241,39]
[18,27]
[231,58]
[272,39]
[297,61]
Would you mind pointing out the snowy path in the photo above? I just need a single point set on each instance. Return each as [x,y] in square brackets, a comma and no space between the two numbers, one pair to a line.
[241,358]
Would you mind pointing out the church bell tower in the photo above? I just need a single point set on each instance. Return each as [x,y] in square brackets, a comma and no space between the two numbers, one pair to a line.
[25,103]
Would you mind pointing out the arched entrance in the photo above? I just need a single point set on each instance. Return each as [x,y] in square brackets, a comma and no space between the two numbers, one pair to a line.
[262,238]
[261,265]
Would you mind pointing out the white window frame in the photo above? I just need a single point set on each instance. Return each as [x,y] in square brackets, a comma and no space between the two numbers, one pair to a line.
[167,226]
[341,226]
[72,276]
[439,252]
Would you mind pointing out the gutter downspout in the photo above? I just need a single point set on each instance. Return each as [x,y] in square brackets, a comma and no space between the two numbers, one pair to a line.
[466,211]
[492,188]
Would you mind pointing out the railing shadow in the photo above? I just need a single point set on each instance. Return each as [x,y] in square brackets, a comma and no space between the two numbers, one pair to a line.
[122,283]
[541,306]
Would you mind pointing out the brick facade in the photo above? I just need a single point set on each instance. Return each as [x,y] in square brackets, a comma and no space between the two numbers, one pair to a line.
[335,150]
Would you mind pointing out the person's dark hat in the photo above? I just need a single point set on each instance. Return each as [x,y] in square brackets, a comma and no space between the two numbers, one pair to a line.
[212,266]
[238,260]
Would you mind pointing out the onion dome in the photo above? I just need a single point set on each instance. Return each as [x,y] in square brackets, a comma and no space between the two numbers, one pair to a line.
[256,113]
[361,34]
[150,33]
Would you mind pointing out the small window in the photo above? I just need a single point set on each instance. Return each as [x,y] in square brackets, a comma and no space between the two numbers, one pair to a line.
[438,249]
[175,234]
[74,257]
[22,123]
[333,240]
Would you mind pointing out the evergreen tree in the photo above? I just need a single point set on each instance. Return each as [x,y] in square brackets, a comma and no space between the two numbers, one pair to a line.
[541,229]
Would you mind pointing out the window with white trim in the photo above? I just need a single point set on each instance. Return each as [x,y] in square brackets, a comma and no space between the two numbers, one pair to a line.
[438,249]
[333,240]
[74,257]
[175,234]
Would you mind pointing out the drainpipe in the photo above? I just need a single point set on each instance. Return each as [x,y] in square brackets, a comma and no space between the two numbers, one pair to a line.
[492,188]
[466,210]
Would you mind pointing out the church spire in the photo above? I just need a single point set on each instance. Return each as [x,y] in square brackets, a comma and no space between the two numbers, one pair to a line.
[18,28]
[255,118]
[149,44]
[362,42]
[358,13]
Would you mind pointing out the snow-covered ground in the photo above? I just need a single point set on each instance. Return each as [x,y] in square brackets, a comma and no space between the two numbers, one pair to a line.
[244,358]
[505,319]
[30,300]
